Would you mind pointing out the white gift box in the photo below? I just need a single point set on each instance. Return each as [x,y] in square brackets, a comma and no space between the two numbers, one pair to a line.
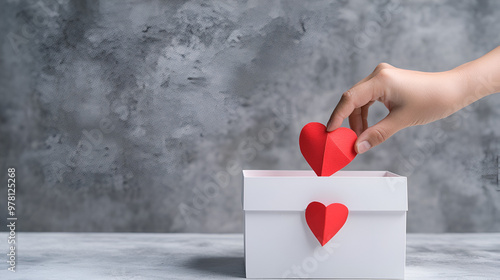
[279,243]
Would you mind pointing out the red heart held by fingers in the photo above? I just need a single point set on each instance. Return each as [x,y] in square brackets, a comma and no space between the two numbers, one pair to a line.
[325,222]
[327,152]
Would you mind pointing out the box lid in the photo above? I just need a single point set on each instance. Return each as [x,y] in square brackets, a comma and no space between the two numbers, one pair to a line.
[293,190]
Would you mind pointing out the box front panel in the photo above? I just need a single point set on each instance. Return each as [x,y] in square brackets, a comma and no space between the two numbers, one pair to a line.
[279,244]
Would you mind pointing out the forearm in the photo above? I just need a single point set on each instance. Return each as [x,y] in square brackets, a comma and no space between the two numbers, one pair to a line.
[480,77]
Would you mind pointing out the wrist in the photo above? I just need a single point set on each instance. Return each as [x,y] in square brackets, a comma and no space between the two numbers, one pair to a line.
[457,89]
[469,88]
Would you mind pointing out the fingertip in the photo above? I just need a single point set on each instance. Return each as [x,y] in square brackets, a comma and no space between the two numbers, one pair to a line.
[363,147]
[329,128]
[328,124]
[333,124]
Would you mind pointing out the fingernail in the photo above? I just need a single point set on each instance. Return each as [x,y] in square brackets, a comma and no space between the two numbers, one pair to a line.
[363,147]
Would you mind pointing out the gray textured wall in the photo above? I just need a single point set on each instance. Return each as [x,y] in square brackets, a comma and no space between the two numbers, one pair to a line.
[140,115]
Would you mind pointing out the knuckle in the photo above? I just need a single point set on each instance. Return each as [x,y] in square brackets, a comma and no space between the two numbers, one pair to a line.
[380,135]
[385,75]
[347,98]
[347,95]
[382,65]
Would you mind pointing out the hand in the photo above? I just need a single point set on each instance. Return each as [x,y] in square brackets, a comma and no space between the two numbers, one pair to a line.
[412,97]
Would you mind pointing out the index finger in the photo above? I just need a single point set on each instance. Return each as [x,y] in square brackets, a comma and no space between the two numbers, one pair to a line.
[358,96]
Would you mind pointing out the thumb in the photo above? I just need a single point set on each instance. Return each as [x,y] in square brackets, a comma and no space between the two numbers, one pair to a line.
[378,133]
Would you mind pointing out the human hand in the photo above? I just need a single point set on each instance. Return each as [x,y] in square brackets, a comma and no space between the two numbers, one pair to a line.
[412,97]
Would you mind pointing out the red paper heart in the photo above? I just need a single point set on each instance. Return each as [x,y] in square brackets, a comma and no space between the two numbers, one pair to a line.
[327,152]
[325,222]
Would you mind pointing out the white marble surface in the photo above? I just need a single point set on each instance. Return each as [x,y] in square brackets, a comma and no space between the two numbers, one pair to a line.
[217,256]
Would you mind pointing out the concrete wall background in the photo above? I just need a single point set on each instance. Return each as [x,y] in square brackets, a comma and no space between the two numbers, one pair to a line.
[133,115]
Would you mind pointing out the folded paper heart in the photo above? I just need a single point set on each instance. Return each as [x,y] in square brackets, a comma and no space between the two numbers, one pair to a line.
[327,152]
[325,222]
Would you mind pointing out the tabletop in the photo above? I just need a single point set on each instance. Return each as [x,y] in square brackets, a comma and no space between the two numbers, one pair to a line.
[218,256]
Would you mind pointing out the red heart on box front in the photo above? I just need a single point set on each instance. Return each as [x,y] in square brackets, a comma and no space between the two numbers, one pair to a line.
[327,152]
[325,222]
